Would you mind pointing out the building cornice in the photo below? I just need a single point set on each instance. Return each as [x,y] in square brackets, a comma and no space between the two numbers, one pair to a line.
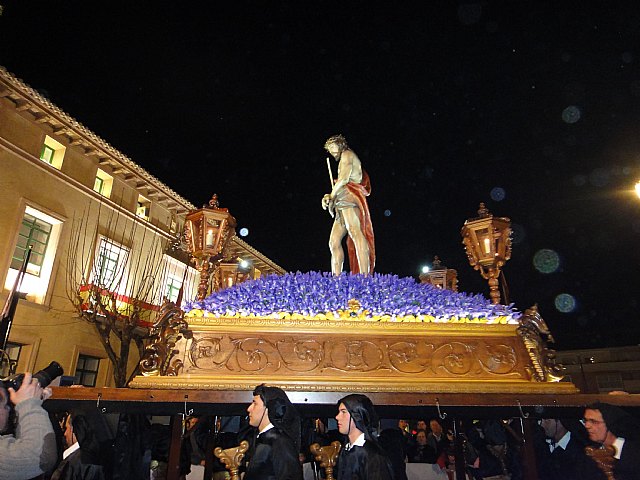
[32,105]
[72,133]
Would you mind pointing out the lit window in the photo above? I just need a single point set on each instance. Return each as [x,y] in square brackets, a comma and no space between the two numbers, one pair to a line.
[144,205]
[34,232]
[172,280]
[9,361]
[52,152]
[87,370]
[103,183]
[47,154]
[109,265]
[42,232]
[173,223]
[172,288]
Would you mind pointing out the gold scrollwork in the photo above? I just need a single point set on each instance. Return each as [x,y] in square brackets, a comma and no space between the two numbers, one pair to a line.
[256,355]
[535,334]
[411,357]
[210,352]
[300,355]
[498,359]
[169,328]
[455,358]
[354,355]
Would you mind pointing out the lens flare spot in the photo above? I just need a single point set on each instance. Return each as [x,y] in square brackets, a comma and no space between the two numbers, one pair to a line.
[244,232]
[571,114]
[497,194]
[387,213]
[565,303]
[546,261]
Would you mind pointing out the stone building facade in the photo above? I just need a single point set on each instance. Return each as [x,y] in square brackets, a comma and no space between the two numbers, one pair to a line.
[83,206]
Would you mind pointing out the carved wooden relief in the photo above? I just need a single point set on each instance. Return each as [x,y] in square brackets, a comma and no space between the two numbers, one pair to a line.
[288,355]
[356,356]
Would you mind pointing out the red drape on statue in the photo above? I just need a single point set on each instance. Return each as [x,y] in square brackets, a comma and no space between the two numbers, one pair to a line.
[361,191]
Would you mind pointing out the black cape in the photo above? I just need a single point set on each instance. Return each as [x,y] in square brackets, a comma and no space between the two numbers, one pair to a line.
[628,466]
[275,457]
[72,468]
[570,463]
[368,462]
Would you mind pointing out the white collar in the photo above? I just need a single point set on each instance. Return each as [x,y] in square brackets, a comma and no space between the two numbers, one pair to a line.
[618,443]
[70,450]
[359,442]
[265,429]
[562,443]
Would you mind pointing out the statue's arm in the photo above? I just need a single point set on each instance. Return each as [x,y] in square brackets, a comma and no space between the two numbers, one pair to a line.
[344,172]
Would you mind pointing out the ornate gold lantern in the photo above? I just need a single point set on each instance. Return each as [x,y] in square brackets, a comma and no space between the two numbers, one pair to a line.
[440,276]
[208,231]
[487,241]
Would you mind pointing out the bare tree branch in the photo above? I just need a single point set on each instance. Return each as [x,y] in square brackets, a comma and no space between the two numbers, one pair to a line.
[115,274]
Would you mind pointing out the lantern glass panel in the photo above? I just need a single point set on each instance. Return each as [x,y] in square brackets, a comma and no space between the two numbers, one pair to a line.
[210,238]
[484,239]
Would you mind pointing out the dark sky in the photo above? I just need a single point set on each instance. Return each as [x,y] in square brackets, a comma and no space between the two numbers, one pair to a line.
[531,107]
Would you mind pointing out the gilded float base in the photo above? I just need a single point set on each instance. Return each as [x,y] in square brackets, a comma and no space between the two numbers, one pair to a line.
[355,356]
[248,383]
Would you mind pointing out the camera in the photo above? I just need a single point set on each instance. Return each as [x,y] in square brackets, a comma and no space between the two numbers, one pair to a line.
[44,376]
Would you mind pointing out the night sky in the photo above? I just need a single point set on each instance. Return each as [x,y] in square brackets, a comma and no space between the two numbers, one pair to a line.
[530,107]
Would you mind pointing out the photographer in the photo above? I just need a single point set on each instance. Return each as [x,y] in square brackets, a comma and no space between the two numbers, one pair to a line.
[31,451]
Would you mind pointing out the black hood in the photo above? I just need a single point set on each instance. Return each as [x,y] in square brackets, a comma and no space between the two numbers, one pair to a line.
[361,410]
[282,413]
[619,422]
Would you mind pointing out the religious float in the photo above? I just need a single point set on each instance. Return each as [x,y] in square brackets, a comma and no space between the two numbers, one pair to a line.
[350,333]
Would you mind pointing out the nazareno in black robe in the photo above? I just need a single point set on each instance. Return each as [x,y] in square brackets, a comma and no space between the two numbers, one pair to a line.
[368,462]
[275,458]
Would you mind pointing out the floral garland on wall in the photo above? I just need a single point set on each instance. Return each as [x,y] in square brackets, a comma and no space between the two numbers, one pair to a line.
[375,297]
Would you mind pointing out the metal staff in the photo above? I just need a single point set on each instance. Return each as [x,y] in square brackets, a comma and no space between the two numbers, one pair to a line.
[330,172]
[330,206]
[6,317]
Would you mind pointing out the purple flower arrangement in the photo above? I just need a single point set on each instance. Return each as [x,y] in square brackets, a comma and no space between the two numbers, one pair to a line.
[377,297]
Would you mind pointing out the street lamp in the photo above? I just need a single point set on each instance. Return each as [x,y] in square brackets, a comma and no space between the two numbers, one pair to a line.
[440,276]
[487,242]
[208,231]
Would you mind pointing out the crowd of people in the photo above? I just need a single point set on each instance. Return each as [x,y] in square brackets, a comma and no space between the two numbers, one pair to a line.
[81,445]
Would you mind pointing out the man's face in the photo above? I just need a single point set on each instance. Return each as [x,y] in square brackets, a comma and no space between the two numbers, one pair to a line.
[421,425]
[345,422]
[5,408]
[435,427]
[257,411]
[333,149]
[550,427]
[595,425]
[68,432]
[403,424]
[421,438]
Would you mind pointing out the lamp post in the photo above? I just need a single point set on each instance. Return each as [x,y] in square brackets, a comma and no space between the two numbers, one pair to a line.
[440,276]
[208,231]
[487,242]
